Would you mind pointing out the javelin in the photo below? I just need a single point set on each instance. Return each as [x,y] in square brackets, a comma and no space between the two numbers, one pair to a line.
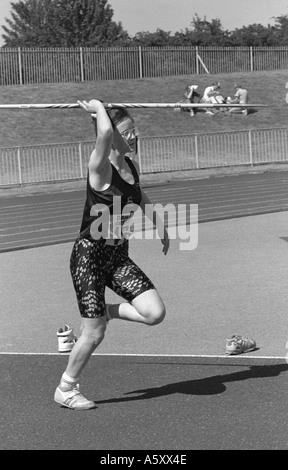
[132,105]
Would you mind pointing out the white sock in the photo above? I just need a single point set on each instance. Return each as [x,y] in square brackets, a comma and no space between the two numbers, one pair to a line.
[67,382]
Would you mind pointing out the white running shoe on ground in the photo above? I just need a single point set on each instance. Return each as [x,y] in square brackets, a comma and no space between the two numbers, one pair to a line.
[238,344]
[72,398]
[66,339]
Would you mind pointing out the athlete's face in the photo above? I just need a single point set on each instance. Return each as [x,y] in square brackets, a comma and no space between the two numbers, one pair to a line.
[128,132]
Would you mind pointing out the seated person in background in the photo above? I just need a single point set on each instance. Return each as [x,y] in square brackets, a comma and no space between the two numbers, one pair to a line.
[212,95]
[241,97]
[191,96]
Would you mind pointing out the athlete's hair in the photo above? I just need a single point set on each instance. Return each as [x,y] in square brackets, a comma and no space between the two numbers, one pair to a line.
[116,116]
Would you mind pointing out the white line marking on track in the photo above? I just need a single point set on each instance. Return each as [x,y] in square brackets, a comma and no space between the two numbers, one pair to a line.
[195,356]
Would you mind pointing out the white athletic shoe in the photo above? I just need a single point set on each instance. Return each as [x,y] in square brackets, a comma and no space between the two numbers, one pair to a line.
[239,344]
[72,398]
[66,339]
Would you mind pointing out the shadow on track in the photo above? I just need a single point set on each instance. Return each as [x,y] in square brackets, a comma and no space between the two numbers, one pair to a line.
[207,386]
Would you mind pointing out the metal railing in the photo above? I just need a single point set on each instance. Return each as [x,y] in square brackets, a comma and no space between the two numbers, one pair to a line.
[20,66]
[68,161]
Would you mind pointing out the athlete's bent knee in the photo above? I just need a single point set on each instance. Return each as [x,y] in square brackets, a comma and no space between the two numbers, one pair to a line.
[156,315]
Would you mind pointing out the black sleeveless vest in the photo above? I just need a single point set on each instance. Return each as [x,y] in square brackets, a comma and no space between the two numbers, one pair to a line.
[113,199]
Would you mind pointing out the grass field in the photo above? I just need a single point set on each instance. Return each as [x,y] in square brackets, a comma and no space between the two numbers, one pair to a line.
[30,127]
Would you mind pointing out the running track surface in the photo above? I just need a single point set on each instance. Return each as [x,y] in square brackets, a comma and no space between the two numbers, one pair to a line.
[196,398]
[43,219]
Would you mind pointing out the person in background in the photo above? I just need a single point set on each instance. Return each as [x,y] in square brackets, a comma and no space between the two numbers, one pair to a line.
[193,97]
[241,97]
[190,96]
[210,96]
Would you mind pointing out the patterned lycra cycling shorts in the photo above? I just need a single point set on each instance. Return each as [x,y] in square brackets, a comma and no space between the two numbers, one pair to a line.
[95,265]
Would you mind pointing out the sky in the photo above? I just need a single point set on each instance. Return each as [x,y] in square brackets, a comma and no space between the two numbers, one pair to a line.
[177,15]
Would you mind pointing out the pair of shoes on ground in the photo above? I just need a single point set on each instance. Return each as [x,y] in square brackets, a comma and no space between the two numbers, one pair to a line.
[239,344]
[69,395]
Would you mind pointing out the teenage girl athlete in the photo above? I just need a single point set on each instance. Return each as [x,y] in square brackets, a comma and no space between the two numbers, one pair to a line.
[97,263]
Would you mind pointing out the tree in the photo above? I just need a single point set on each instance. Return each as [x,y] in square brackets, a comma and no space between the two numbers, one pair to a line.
[146,39]
[203,33]
[254,35]
[282,29]
[63,23]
